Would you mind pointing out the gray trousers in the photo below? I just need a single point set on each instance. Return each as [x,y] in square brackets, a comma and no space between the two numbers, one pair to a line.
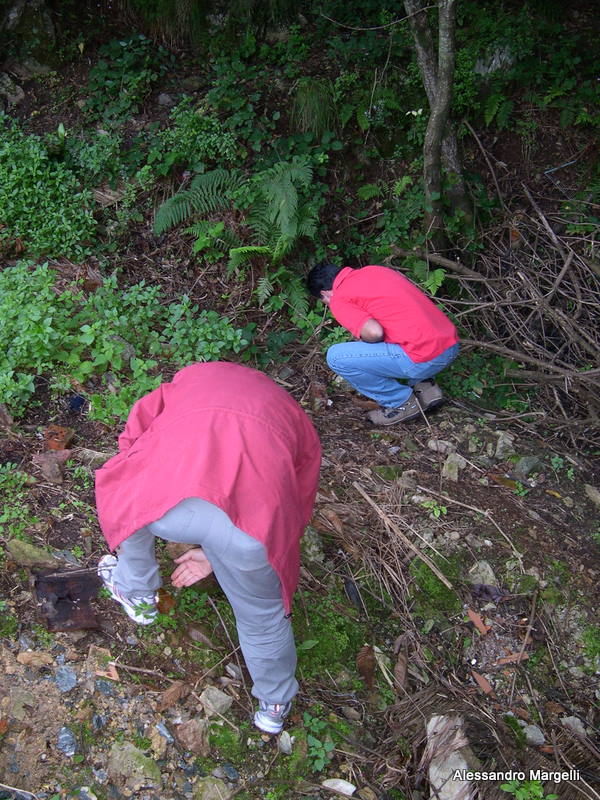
[251,584]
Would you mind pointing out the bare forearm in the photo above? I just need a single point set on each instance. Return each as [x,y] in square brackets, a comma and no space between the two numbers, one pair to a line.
[372,332]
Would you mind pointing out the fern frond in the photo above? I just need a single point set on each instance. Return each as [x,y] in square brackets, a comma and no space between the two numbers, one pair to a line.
[207,193]
[264,289]
[282,247]
[297,297]
[238,256]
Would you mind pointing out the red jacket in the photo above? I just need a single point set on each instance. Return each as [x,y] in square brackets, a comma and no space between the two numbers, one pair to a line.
[229,435]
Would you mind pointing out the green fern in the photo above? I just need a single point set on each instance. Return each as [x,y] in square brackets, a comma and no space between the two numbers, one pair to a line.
[264,289]
[239,256]
[206,194]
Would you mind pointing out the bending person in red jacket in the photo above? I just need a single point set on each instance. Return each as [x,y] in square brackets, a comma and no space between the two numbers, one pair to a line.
[224,459]
[401,335]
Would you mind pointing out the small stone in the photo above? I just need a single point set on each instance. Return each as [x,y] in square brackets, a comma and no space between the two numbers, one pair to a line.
[104,687]
[165,99]
[592,493]
[569,502]
[482,572]
[85,793]
[164,731]
[193,735]
[28,555]
[35,658]
[231,772]
[210,788]
[574,724]
[351,713]
[158,744]
[441,446]
[129,768]
[504,445]
[366,793]
[215,701]
[21,702]
[284,745]
[533,735]
[527,464]
[67,742]
[340,785]
[10,90]
[66,679]
[452,465]
[454,536]
[98,722]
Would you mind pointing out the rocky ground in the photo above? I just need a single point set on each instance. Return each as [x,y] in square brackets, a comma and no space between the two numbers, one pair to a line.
[506,637]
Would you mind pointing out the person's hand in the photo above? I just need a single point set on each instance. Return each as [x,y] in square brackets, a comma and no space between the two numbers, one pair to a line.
[193,566]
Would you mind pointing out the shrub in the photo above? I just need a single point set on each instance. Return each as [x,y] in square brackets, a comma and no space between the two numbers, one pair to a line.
[41,202]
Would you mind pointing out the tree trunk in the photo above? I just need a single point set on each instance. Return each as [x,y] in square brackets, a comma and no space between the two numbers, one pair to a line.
[437,76]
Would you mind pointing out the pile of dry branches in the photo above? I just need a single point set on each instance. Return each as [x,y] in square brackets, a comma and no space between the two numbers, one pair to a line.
[533,297]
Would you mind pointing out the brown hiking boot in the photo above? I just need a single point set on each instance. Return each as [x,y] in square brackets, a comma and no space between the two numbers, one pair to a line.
[429,394]
[388,416]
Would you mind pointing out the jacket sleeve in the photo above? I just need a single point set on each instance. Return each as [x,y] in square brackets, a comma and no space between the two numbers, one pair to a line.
[307,469]
[141,416]
[349,315]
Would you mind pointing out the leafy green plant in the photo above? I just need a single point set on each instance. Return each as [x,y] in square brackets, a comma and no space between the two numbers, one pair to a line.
[194,138]
[435,508]
[527,790]
[42,203]
[79,335]
[123,76]
[320,743]
[273,200]
[15,511]
[9,624]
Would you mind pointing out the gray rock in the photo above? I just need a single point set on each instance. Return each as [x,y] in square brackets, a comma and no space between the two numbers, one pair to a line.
[284,744]
[85,793]
[230,771]
[210,788]
[128,767]
[527,464]
[21,701]
[504,445]
[215,702]
[67,741]
[28,555]
[441,446]
[533,735]
[452,465]
[11,91]
[193,735]
[481,572]
[165,99]
[66,679]
[592,493]
[574,724]
[104,687]
[98,722]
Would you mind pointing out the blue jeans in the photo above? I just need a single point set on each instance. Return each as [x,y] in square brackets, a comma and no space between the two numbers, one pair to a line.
[374,369]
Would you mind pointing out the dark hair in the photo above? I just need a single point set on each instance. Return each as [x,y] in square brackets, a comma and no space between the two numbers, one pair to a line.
[321,278]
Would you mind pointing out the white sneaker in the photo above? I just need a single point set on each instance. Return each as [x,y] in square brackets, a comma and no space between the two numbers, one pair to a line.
[142,610]
[269,717]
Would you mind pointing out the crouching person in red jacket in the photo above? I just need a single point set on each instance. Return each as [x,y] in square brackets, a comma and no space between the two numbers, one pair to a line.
[224,459]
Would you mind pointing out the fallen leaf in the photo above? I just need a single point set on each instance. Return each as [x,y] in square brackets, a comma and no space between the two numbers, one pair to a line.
[172,695]
[3,726]
[367,405]
[93,279]
[332,517]
[400,670]
[196,633]
[554,708]
[365,664]
[340,786]
[478,622]
[553,493]
[513,658]
[34,658]
[166,601]
[502,480]
[58,438]
[483,683]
